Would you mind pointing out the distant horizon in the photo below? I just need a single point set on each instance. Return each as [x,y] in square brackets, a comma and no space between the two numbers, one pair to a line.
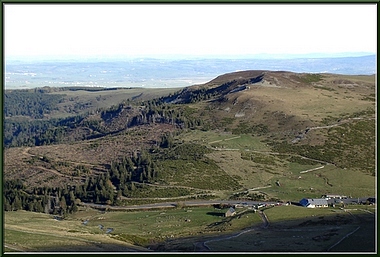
[156,72]
[262,56]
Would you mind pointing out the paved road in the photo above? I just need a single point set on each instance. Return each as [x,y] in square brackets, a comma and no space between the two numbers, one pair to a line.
[349,200]
[205,203]
[171,204]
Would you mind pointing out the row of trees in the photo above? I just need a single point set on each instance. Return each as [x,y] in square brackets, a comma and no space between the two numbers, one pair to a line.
[57,200]
[38,102]
[48,200]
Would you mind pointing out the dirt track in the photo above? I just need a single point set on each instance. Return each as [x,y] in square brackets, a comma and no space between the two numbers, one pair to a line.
[26,153]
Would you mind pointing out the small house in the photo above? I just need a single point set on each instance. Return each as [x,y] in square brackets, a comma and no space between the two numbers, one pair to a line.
[231,212]
[314,203]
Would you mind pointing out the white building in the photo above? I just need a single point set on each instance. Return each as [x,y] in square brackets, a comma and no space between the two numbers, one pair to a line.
[314,203]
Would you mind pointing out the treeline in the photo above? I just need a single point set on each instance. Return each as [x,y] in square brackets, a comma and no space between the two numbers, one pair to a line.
[154,111]
[193,96]
[57,200]
[48,200]
[23,132]
[204,93]
[39,102]
[138,168]
[34,104]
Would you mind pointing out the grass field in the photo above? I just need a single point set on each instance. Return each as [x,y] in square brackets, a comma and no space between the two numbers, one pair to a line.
[225,140]
[31,232]
[28,231]
[328,180]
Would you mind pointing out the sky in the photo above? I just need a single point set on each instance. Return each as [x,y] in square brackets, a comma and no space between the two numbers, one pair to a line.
[100,31]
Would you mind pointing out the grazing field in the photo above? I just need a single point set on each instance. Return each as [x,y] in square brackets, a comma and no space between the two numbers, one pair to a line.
[34,232]
[297,229]
[328,180]
[41,232]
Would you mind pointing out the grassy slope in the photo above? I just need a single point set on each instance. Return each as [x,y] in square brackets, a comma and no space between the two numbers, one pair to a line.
[306,103]
[27,231]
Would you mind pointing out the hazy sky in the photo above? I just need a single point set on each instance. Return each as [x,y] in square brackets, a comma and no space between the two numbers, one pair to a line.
[151,30]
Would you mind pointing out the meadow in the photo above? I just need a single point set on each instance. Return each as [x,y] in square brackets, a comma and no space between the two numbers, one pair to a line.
[35,232]
[42,232]
[291,229]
